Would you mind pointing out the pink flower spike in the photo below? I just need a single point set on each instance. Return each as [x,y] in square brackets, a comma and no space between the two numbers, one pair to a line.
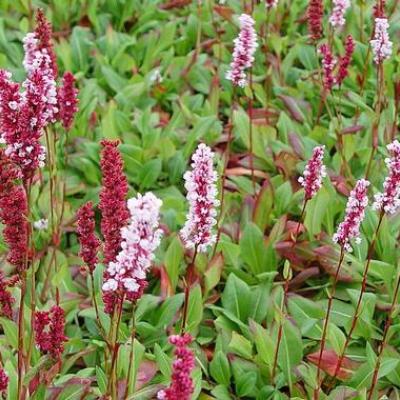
[344,61]
[67,100]
[389,200]
[339,9]
[313,173]
[87,237]
[140,239]
[271,3]
[3,381]
[243,53]
[49,331]
[181,386]
[328,65]
[201,195]
[355,210]
[13,213]
[381,44]
[315,13]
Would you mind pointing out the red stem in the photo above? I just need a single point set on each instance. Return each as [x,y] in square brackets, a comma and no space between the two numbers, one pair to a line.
[325,328]
[383,344]
[187,294]
[363,289]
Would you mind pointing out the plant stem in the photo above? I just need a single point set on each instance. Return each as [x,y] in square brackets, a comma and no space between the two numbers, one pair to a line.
[359,302]
[326,322]
[384,341]
[21,336]
[96,307]
[187,294]
[227,154]
[112,381]
[285,294]
[128,382]
[253,179]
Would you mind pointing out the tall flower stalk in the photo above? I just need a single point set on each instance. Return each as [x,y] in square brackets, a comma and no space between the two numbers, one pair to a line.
[311,181]
[382,49]
[243,58]
[386,202]
[347,231]
[197,233]
[125,277]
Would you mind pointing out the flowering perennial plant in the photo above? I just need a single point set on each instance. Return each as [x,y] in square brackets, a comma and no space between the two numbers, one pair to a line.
[25,114]
[67,100]
[349,229]
[389,199]
[344,62]
[314,172]
[87,237]
[315,13]
[339,10]
[181,381]
[127,274]
[201,195]
[243,53]
[381,44]
[6,299]
[49,331]
[13,213]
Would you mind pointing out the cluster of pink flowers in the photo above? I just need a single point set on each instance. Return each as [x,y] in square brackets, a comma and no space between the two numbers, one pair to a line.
[339,9]
[86,234]
[6,299]
[355,210]
[24,114]
[344,62]
[49,331]
[271,3]
[3,381]
[381,44]
[67,100]
[201,195]
[315,13]
[181,381]
[140,239]
[114,211]
[13,213]
[389,200]
[313,173]
[329,64]
[243,54]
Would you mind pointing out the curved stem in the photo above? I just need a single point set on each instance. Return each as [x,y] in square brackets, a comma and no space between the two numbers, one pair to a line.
[112,381]
[227,153]
[21,338]
[384,341]
[359,302]
[326,322]
[187,294]
[131,355]
[285,294]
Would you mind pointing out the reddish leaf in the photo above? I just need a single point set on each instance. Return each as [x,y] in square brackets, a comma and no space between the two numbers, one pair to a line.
[329,258]
[329,361]
[224,12]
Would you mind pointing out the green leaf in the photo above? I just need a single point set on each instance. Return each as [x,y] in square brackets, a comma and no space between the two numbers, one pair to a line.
[290,350]
[252,249]
[173,259]
[220,368]
[149,173]
[240,346]
[236,297]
